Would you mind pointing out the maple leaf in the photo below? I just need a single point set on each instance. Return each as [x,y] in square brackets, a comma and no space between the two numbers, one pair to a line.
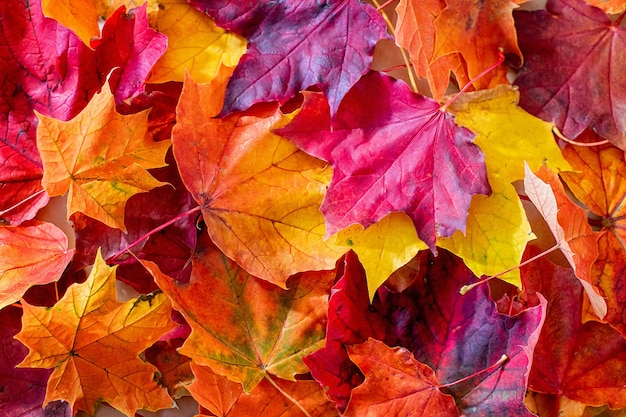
[245,328]
[568,224]
[404,154]
[415,31]
[195,44]
[22,391]
[383,247]
[566,48]
[478,32]
[226,398]
[413,390]
[259,194]
[298,44]
[584,362]
[92,341]
[32,253]
[133,60]
[497,228]
[455,335]
[100,157]
[174,368]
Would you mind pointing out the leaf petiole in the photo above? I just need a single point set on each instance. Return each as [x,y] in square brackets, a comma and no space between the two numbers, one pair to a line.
[559,135]
[465,288]
[30,197]
[490,368]
[287,395]
[153,231]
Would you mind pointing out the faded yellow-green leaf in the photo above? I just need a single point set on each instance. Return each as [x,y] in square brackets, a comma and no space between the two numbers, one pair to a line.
[383,247]
[100,157]
[497,227]
[195,44]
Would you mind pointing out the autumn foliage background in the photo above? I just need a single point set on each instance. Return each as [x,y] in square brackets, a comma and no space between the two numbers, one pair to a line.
[285,209]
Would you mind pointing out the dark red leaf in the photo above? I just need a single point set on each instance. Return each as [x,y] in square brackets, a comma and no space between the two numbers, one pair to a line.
[572,75]
[297,44]
[397,153]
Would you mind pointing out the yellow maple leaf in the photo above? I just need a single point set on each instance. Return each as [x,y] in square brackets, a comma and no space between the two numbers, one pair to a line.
[101,157]
[382,248]
[497,228]
[195,44]
[93,341]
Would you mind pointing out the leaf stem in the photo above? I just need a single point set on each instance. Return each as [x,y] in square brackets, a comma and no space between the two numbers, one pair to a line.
[405,56]
[153,231]
[490,368]
[476,78]
[287,395]
[466,288]
[559,135]
[618,21]
[30,197]
[385,4]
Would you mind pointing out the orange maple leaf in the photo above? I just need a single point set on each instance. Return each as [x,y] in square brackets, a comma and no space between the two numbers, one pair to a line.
[32,253]
[92,341]
[100,157]
[260,195]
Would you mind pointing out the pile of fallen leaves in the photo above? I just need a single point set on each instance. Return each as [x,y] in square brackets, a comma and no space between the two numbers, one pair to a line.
[307,236]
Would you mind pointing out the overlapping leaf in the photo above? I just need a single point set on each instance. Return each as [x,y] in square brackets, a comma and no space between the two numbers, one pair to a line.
[195,44]
[245,328]
[259,194]
[92,341]
[33,253]
[567,48]
[298,44]
[403,154]
[568,224]
[497,228]
[100,157]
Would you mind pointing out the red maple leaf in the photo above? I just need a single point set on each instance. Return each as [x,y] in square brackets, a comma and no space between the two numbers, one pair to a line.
[297,44]
[402,154]
[572,75]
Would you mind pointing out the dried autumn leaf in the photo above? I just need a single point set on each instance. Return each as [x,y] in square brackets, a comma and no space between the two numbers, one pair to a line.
[227,399]
[497,229]
[33,253]
[101,157]
[415,31]
[259,194]
[404,154]
[568,224]
[245,328]
[477,31]
[92,341]
[383,247]
[412,390]
[195,44]
[567,48]
[298,44]
[584,362]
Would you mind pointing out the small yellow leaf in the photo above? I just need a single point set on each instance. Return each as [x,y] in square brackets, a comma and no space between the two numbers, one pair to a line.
[195,44]
[100,157]
[382,248]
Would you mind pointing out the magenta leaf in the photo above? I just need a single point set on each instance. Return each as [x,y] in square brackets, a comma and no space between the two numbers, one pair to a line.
[457,336]
[297,44]
[397,152]
[132,47]
[22,390]
[568,48]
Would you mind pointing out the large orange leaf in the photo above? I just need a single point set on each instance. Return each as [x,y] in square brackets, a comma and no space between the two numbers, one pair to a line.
[477,30]
[245,328]
[415,31]
[33,253]
[259,194]
[396,384]
[92,341]
[100,157]
[568,224]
